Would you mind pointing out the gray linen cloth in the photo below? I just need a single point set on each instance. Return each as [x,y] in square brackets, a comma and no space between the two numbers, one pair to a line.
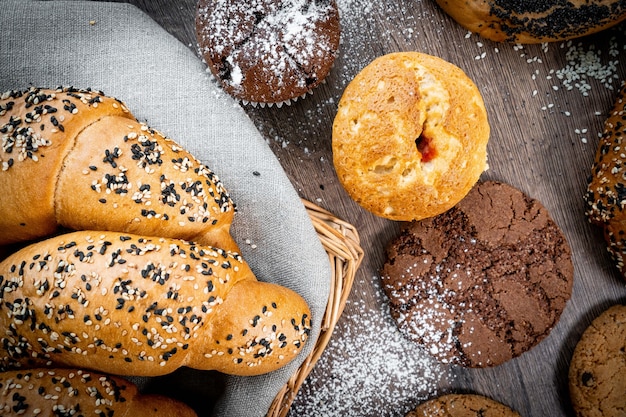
[118,49]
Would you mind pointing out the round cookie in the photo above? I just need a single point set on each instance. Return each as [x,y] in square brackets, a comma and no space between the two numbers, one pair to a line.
[268,51]
[535,21]
[410,136]
[482,283]
[462,405]
[597,373]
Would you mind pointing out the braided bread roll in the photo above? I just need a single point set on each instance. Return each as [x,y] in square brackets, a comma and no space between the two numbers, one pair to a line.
[79,159]
[605,198]
[70,392]
[129,305]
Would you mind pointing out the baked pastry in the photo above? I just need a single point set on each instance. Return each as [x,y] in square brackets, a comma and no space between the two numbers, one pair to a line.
[129,305]
[606,189]
[462,405]
[271,51]
[536,21]
[410,136]
[79,159]
[483,282]
[72,392]
[596,375]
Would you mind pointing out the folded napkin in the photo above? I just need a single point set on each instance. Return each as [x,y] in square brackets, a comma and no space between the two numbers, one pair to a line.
[118,49]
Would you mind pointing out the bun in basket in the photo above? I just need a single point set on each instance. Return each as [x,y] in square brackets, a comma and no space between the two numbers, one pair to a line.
[79,159]
[130,305]
[410,136]
[535,21]
[71,392]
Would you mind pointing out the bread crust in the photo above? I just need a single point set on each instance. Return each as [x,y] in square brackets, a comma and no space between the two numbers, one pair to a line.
[605,197]
[68,392]
[410,136]
[37,128]
[536,21]
[130,305]
[84,162]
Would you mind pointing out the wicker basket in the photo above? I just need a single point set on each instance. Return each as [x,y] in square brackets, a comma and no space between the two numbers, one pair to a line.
[341,241]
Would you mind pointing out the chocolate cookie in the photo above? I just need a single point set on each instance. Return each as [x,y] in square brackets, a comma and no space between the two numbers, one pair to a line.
[483,282]
[597,373]
[462,405]
[268,51]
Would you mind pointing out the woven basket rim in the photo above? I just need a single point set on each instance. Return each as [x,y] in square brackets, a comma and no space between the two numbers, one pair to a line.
[341,241]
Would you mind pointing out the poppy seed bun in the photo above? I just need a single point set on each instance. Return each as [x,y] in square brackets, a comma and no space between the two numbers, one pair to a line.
[535,21]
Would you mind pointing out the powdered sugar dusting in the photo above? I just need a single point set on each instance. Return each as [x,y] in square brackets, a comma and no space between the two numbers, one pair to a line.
[433,320]
[255,44]
[371,370]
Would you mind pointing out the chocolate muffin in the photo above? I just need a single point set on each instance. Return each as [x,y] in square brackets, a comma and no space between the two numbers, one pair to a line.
[268,51]
[483,282]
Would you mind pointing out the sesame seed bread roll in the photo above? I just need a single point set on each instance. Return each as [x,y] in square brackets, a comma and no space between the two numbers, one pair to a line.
[69,392]
[35,127]
[129,305]
[79,159]
[605,197]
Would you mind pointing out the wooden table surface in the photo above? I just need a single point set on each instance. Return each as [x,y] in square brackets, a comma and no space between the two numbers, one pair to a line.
[543,138]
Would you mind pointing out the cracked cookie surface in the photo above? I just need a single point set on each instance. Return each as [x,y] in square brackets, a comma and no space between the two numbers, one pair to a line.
[268,51]
[483,282]
[597,371]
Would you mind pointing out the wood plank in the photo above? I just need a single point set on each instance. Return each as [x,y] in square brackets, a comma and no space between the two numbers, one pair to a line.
[543,140]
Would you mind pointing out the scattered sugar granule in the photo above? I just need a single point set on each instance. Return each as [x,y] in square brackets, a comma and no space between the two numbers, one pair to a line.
[585,64]
[371,370]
